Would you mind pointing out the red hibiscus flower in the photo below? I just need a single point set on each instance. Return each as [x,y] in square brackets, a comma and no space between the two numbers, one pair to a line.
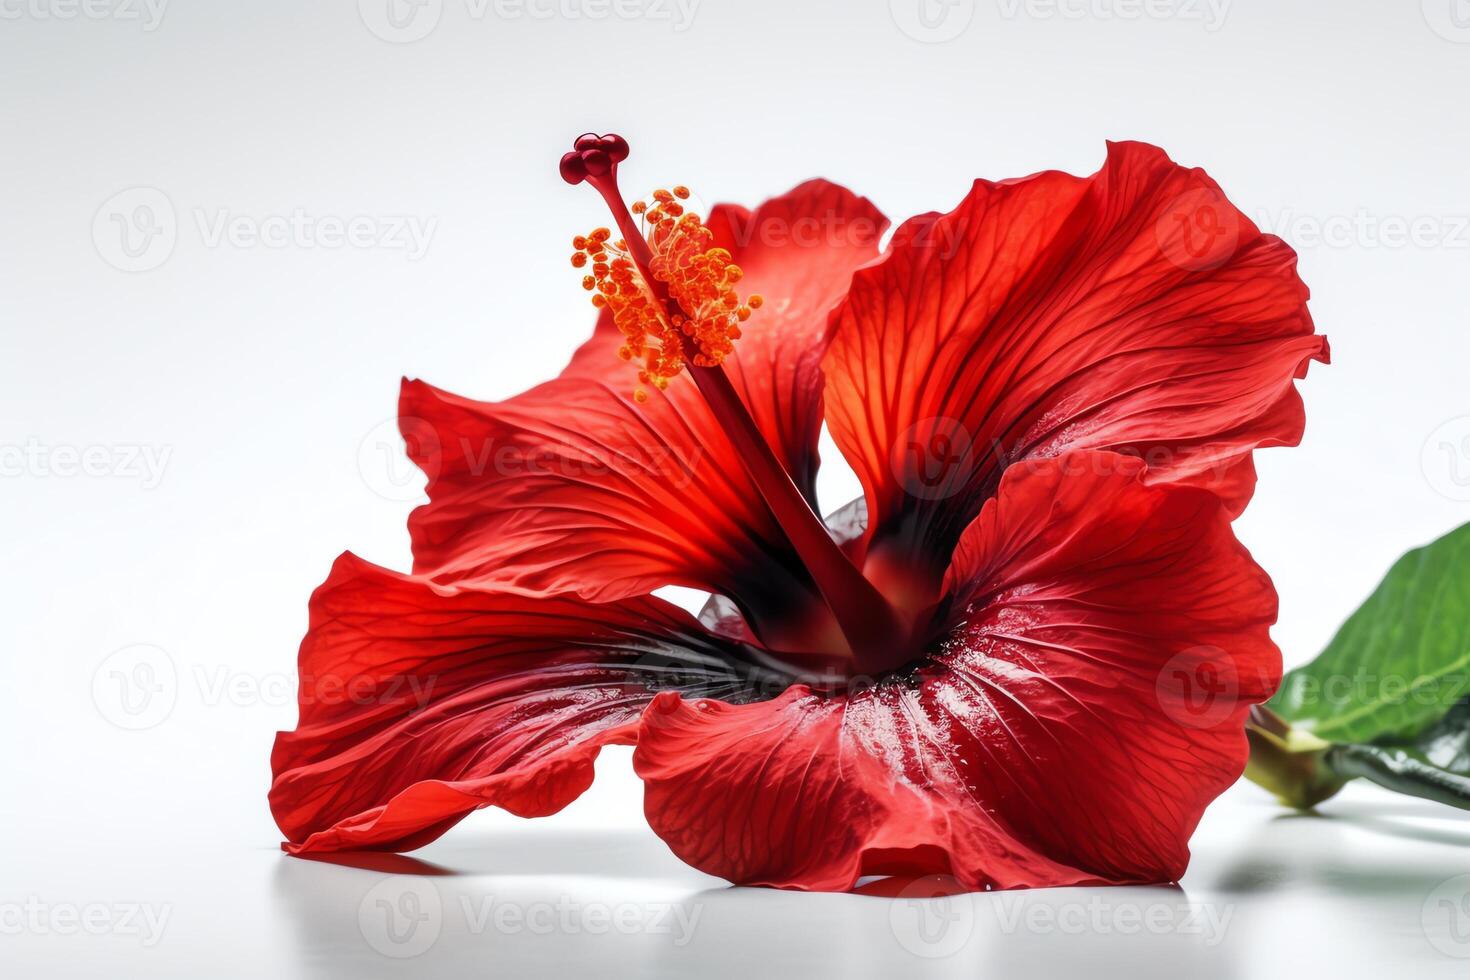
[1023,658]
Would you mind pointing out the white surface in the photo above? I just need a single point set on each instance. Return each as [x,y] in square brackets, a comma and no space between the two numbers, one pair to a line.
[233,399]
[592,892]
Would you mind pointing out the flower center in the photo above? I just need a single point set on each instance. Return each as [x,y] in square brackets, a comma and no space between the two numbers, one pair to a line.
[672,295]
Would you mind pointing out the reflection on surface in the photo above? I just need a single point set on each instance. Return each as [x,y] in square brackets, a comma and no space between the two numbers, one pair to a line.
[537,902]
[1371,887]
[1268,894]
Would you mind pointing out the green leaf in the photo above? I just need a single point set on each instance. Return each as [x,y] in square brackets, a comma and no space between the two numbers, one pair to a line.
[1399,663]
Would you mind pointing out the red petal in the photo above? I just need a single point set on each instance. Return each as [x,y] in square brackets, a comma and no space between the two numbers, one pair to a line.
[574,487]
[798,252]
[419,706]
[1048,741]
[1056,313]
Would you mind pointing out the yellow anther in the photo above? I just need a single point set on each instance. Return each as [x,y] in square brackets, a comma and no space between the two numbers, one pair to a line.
[698,277]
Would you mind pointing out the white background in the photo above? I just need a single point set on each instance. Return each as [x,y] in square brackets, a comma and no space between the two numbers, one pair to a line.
[231,402]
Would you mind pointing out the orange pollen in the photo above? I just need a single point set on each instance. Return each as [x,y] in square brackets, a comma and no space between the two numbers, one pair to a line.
[699,277]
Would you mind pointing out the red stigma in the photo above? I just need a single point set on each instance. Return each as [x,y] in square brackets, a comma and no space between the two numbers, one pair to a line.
[592,155]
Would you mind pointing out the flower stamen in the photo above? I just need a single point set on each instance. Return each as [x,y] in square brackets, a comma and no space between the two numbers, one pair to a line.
[674,292]
[699,277]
